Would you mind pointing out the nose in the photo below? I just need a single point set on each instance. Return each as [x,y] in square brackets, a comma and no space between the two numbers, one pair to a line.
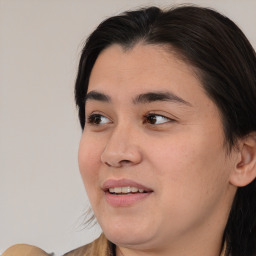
[121,149]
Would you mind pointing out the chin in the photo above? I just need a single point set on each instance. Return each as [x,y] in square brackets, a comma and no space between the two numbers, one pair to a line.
[128,234]
[128,240]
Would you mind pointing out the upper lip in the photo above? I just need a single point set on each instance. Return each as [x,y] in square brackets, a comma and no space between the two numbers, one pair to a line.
[112,183]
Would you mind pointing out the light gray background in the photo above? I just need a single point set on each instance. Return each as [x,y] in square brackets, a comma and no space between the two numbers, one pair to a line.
[42,199]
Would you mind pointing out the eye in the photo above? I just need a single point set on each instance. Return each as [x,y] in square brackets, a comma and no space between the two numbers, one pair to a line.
[156,119]
[97,119]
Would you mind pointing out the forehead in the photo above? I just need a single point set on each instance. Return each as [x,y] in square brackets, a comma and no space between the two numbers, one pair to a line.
[139,60]
[144,68]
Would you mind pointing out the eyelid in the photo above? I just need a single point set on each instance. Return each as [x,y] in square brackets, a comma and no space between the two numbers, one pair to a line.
[164,114]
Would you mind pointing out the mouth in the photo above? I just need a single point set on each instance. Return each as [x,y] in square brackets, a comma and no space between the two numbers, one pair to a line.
[125,190]
[123,193]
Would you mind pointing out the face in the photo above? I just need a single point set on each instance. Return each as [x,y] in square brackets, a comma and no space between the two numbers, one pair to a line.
[152,154]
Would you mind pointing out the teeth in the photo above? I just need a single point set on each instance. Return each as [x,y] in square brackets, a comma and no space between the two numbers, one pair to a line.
[134,190]
[125,190]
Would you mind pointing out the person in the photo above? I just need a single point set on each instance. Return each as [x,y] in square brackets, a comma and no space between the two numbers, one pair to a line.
[167,104]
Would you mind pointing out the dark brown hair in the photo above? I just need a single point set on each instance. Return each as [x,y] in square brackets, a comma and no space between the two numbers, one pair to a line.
[226,65]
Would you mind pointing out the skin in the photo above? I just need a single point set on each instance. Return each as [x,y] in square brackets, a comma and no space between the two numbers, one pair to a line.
[180,155]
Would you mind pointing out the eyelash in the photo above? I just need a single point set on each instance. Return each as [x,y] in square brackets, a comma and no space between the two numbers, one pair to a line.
[151,119]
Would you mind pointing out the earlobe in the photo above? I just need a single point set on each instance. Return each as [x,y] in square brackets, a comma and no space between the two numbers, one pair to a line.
[245,169]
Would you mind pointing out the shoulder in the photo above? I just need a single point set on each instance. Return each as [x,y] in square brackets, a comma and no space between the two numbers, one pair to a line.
[99,247]
[24,250]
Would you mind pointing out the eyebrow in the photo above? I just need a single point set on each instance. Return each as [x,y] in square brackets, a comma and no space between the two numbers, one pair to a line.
[94,95]
[141,98]
[159,96]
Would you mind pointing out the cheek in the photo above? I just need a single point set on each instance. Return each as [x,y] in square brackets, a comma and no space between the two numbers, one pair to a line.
[191,165]
[192,179]
[89,160]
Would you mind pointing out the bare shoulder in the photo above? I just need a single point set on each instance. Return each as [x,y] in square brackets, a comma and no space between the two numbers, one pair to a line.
[24,250]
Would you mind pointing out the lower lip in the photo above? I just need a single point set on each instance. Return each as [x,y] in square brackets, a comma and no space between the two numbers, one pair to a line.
[125,199]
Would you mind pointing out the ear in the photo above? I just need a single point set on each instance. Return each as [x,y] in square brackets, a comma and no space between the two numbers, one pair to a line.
[245,169]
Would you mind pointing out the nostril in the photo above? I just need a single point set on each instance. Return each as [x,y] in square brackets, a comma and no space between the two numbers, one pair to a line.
[106,163]
[117,164]
[125,162]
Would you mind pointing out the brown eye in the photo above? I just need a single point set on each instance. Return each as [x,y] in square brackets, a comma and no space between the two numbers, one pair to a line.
[156,119]
[151,119]
[97,119]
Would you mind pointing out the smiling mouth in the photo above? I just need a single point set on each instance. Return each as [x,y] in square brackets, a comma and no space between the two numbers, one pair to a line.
[125,190]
